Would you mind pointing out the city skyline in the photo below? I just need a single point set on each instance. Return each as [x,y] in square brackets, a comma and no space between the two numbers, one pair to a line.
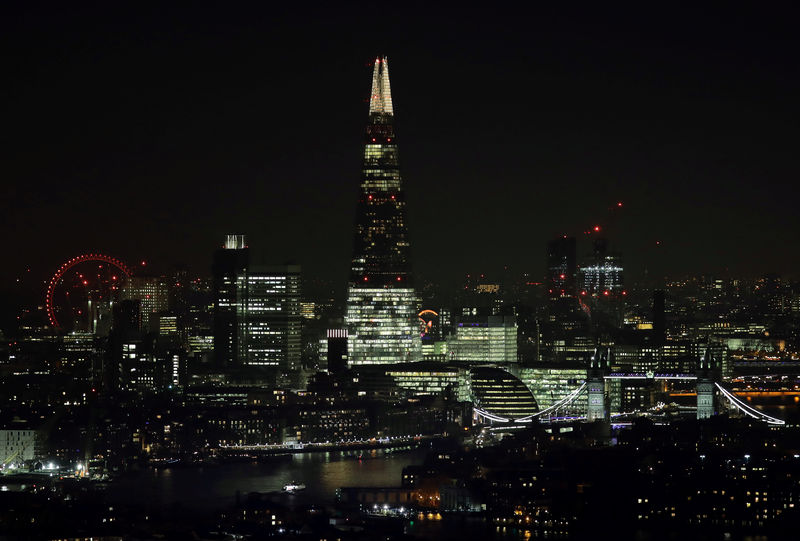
[697,175]
[571,306]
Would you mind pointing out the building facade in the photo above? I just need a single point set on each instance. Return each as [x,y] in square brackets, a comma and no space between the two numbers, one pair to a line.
[487,340]
[257,315]
[152,292]
[230,262]
[382,303]
[268,317]
[562,267]
[602,275]
[17,446]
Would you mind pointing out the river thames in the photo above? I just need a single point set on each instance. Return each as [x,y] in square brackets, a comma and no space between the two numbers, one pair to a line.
[215,487]
[212,488]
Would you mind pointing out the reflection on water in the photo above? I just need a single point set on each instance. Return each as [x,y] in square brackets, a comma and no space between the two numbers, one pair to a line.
[783,407]
[213,487]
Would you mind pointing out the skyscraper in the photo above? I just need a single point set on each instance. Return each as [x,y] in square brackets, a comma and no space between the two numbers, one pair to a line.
[381,301]
[257,319]
[603,273]
[230,262]
[269,318]
[561,267]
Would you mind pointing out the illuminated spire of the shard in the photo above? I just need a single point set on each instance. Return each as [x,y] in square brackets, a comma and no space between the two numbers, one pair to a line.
[380,101]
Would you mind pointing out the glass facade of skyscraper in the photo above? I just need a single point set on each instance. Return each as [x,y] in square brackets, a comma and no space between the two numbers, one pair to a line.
[230,263]
[603,273]
[257,311]
[381,302]
[493,340]
[384,320]
[269,316]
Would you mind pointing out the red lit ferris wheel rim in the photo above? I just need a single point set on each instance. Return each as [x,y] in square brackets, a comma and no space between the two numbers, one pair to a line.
[51,287]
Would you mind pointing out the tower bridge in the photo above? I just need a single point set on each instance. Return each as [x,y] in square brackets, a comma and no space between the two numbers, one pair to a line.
[711,392]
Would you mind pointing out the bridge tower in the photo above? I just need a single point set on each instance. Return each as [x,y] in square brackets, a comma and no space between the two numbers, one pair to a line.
[706,376]
[597,409]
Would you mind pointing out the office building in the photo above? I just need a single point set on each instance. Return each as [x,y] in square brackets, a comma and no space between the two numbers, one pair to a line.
[268,317]
[257,319]
[602,275]
[152,292]
[561,267]
[552,383]
[381,313]
[432,378]
[492,339]
[230,263]
[501,394]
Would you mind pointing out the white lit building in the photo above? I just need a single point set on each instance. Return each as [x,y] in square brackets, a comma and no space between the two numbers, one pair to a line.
[268,317]
[493,340]
[384,325]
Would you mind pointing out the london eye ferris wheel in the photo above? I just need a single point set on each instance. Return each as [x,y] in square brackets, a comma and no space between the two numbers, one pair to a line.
[82,292]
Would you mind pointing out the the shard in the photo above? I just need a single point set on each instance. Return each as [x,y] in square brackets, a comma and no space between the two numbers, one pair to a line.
[381,302]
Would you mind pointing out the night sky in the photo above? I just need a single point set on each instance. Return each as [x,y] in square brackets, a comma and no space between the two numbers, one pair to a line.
[149,132]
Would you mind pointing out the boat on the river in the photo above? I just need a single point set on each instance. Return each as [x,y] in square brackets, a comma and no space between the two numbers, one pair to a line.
[293,487]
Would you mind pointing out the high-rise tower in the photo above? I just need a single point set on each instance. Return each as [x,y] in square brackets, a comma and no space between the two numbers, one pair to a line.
[257,310]
[230,262]
[381,301]
[561,267]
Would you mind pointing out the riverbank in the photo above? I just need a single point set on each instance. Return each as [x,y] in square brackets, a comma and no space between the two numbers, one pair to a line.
[373,443]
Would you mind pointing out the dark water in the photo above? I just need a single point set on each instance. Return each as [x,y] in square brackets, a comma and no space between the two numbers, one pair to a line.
[215,487]
[781,407]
